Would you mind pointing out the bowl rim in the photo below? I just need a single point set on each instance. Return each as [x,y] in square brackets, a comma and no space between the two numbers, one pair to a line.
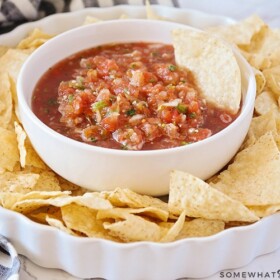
[246,103]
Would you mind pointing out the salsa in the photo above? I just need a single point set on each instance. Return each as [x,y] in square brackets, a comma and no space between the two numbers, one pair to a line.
[128,96]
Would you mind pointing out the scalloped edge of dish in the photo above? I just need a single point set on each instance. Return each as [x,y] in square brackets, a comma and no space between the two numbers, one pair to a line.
[93,257]
[89,257]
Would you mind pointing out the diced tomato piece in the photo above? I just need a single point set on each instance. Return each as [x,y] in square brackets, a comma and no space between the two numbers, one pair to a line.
[94,133]
[199,134]
[111,122]
[105,65]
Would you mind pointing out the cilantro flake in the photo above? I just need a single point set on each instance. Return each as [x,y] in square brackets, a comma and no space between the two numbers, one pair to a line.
[172,67]
[52,102]
[192,115]
[99,105]
[182,108]
[130,112]
[70,98]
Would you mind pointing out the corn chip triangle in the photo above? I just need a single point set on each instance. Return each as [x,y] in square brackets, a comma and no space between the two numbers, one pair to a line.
[200,200]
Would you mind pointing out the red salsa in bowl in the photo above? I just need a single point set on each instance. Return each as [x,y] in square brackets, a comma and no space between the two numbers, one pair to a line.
[128,96]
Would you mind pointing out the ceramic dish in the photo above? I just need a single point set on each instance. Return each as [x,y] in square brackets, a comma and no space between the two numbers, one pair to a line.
[88,257]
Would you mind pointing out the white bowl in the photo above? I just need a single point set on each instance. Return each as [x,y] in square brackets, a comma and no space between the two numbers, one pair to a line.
[98,168]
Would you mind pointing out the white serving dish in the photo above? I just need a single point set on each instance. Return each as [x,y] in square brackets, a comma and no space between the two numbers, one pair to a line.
[88,257]
[190,258]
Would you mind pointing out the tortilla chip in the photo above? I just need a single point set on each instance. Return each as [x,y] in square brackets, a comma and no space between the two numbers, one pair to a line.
[249,141]
[34,40]
[32,158]
[124,16]
[260,80]
[3,50]
[260,126]
[240,33]
[44,195]
[254,176]
[90,20]
[6,105]
[175,229]
[134,228]
[93,200]
[267,45]
[18,182]
[127,198]
[115,213]
[8,200]
[149,212]
[272,76]
[200,200]
[213,66]
[265,210]
[40,215]
[13,92]
[59,225]
[83,219]
[265,102]
[200,228]
[89,200]
[150,14]
[9,154]
[21,136]
[11,62]
[68,186]
[35,199]
[257,60]
[47,181]
[26,206]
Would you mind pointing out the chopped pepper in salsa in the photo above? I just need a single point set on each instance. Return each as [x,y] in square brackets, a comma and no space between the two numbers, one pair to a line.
[126,96]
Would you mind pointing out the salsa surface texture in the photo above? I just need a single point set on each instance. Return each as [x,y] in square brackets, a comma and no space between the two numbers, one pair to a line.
[128,96]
